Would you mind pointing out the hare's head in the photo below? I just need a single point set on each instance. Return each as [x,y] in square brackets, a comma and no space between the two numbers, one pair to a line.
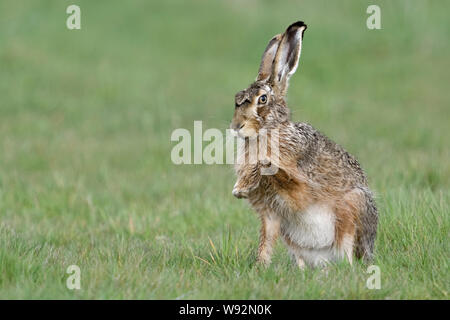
[262,105]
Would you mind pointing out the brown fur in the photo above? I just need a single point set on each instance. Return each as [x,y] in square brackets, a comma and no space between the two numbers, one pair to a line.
[312,169]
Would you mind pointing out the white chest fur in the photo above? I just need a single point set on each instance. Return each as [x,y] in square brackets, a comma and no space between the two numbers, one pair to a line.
[313,228]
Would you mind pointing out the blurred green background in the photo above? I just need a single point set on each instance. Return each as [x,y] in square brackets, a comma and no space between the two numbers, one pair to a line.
[86,118]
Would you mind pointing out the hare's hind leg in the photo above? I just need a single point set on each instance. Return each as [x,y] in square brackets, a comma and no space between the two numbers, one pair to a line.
[270,229]
[356,222]
[367,228]
[348,211]
[346,247]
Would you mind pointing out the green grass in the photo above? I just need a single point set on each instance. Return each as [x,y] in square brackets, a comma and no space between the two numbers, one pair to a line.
[85,124]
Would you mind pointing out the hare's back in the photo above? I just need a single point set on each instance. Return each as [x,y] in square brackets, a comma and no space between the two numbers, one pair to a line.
[325,161]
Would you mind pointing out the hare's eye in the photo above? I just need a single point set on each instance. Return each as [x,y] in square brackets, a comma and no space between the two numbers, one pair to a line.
[262,99]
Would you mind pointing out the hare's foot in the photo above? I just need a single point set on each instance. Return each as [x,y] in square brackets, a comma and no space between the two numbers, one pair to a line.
[297,259]
[240,192]
[300,263]
[263,261]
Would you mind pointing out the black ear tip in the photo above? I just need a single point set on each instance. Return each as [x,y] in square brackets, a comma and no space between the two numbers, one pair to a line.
[298,24]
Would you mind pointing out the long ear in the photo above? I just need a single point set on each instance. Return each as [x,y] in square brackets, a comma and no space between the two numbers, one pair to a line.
[266,66]
[287,56]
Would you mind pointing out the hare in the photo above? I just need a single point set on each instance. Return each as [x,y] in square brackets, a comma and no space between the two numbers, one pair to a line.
[318,199]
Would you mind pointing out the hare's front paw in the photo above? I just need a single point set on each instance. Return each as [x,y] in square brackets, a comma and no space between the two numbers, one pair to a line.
[240,193]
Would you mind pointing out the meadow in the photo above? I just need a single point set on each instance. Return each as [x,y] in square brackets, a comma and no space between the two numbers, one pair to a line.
[86,117]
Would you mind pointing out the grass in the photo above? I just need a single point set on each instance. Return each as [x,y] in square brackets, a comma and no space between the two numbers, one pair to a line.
[85,124]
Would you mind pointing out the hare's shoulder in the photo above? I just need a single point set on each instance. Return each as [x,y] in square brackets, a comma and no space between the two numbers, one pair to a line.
[320,154]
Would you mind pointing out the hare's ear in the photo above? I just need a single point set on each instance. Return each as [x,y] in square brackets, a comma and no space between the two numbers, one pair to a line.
[287,56]
[266,66]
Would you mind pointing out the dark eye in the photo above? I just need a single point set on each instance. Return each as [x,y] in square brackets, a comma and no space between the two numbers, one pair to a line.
[262,99]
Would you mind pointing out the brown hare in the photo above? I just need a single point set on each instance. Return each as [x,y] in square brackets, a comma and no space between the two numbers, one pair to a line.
[318,199]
